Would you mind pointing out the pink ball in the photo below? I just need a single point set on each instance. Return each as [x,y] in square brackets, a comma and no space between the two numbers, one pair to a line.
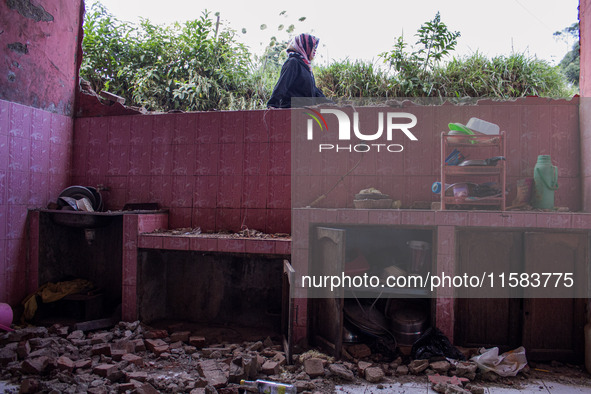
[5,315]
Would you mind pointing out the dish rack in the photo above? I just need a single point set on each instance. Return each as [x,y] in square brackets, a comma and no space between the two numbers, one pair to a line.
[459,182]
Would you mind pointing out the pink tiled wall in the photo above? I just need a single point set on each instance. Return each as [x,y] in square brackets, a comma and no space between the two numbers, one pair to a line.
[220,171]
[35,152]
[533,126]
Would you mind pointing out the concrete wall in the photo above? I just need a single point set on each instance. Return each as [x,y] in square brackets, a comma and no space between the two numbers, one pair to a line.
[39,43]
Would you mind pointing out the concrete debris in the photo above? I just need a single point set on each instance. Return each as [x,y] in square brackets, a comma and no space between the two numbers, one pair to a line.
[134,358]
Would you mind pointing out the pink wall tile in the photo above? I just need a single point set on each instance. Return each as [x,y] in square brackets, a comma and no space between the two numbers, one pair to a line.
[163,129]
[254,191]
[17,189]
[228,219]
[231,159]
[207,159]
[232,127]
[176,243]
[161,190]
[38,190]
[19,153]
[3,187]
[279,192]
[283,246]
[204,243]
[553,220]
[185,129]
[445,316]
[208,128]
[118,160]
[385,217]
[120,130]
[358,216]
[231,245]
[418,218]
[446,240]
[256,128]
[129,303]
[129,263]
[4,151]
[148,223]
[180,218]
[161,160]
[140,160]
[182,192]
[39,158]
[279,122]
[256,158]
[205,218]
[183,159]
[279,221]
[254,219]
[261,246]
[140,132]
[138,189]
[280,159]
[229,193]
[19,120]
[150,242]
[205,191]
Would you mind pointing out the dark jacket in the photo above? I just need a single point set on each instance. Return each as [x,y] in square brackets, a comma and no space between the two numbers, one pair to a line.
[295,80]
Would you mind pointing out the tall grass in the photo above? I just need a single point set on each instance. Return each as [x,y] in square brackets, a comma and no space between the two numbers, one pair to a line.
[501,77]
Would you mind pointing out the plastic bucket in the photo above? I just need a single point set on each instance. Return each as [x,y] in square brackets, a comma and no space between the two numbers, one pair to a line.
[545,183]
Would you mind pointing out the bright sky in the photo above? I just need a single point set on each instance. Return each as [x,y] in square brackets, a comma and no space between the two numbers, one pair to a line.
[363,29]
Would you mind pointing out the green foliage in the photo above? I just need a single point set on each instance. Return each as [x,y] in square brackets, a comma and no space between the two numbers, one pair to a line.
[569,64]
[500,77]
[197,65]
[200,65]
[435,41]
[347,79]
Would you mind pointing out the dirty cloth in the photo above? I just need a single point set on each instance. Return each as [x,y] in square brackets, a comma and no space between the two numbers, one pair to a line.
[51,292]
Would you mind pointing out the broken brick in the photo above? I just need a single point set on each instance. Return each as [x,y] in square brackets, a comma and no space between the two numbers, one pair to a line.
[213,373]
[65,364]
[133,359]
[37,365]
[198,342]
[180,336]
[359,350]
[105,370]
[102,348]
[314,367]
[374,374]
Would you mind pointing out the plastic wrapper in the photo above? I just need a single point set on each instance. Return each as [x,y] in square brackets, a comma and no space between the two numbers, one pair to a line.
[506,364]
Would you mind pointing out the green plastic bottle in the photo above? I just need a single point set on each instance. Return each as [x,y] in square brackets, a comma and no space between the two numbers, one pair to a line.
[267,387]
[545,183]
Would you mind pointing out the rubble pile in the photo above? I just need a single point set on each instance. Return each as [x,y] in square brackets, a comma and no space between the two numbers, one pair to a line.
[132,358]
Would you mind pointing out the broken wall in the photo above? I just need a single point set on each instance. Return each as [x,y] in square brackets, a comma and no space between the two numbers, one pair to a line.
[39,43]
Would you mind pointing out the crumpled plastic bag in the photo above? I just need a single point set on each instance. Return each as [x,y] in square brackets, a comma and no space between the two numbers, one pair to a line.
[507,364]
[433,343]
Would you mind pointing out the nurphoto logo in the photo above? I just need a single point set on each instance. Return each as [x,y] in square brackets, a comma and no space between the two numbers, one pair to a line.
[389,123]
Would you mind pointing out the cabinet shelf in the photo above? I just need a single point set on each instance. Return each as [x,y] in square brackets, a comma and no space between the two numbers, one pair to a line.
[450,174]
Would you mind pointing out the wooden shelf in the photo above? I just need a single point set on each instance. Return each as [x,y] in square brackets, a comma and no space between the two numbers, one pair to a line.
[451,174]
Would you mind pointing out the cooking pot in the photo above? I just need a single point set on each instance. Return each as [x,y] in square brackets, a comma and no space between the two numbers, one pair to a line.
[407,324]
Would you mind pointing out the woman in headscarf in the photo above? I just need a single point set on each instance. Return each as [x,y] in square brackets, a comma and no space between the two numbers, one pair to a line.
[296,78]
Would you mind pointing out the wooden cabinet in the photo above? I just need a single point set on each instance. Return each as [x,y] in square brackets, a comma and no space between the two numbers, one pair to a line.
[476,148]
[332,249]
[549,329]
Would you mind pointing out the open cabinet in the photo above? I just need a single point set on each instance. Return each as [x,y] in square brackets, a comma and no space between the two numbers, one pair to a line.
[370,251]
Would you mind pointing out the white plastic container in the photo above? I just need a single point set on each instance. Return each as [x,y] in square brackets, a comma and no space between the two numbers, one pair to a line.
[267,387]
[482,126]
